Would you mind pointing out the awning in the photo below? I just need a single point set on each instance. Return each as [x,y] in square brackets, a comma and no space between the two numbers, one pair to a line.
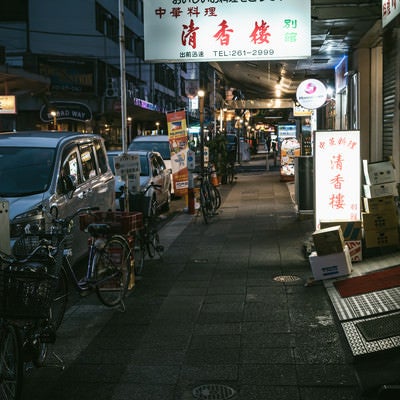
[16,81]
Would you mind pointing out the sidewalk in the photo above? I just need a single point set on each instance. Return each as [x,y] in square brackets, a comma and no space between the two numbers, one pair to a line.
[226,314]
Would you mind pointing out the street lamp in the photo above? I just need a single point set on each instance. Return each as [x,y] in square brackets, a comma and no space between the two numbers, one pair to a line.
[54,115]
[158,127]
[201,94]
[129,129]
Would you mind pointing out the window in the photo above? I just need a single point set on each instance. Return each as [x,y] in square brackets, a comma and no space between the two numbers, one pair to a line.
[70,167]
[101,157]
[88,162]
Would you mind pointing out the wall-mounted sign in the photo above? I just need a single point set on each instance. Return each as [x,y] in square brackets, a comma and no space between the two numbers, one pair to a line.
[311,94]
[390,9]
[341,75]
[7,105]
[337,175]
[195,31]
[66,110]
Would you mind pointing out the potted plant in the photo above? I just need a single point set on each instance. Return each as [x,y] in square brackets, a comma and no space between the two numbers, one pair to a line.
[219,156]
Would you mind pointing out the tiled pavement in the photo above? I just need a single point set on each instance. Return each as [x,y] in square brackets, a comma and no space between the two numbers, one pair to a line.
[226,314]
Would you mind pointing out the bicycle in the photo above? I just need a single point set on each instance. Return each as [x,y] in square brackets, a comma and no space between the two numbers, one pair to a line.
[230,172]
[108,270]
[147,239]
[26,292]
[210,197]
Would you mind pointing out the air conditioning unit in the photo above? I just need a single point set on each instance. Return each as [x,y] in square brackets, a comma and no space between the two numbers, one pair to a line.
[112,89]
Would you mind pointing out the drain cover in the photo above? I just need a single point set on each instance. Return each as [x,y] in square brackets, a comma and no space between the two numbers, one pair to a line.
[213,392]
[286,278]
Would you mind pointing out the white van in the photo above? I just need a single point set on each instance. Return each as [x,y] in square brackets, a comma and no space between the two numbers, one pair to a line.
[32,165]
[158,143]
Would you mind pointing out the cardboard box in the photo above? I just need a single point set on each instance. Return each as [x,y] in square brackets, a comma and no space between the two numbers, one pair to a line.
[379,204]
[382,189]
[351,229]
[355,249]
[379,221]
[328,240]
[387,237]
[378,172]
[330,266]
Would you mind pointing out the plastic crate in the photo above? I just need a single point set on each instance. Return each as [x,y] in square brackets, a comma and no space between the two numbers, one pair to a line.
[26,291]
[119,221]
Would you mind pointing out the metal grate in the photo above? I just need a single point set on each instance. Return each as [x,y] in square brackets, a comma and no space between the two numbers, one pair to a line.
[286,278]
[213,392]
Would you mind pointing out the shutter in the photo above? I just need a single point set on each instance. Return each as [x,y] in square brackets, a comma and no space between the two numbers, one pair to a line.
[389,91]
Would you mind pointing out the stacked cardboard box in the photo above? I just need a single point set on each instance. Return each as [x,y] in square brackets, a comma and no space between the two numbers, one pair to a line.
[379,219]
[331,257]
[352,233]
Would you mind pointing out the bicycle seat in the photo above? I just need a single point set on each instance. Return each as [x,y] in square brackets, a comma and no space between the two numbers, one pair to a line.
[98,229]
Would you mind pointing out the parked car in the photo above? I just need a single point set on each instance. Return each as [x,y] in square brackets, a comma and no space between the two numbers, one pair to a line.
[61,171]
[152,169]
[158,143]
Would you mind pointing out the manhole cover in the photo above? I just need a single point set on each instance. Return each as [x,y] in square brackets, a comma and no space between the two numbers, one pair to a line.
[286,278]
[213,392]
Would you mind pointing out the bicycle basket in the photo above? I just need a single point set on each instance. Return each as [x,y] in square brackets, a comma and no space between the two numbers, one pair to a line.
[120,222]
[26,291]
[26,243]
[141,203]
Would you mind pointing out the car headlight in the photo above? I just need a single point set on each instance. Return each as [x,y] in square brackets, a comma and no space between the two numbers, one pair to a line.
[31,221]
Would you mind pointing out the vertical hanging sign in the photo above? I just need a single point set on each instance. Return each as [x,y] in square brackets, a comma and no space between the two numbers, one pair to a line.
[178,143]
[337,176]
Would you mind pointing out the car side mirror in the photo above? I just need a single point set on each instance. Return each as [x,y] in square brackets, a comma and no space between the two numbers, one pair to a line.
[66,184]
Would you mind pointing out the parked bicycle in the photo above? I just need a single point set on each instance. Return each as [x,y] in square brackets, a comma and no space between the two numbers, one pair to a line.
[27,289]
[110,258]
[147,239]
[230,172]
[210,197]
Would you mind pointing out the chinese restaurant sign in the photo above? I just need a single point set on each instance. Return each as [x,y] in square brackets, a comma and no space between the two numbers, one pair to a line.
[178,143]
[390,9]
[222,30]
[337,175]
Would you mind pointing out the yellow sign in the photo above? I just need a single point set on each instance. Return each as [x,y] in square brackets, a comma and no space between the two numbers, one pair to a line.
[7,105]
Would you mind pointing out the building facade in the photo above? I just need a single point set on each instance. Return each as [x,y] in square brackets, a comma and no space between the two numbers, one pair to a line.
[75,45]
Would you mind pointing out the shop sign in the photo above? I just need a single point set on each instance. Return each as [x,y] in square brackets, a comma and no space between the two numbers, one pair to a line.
[390,10]
[198,31]
[66,110]
[7,105]
[311,94]
[337,169]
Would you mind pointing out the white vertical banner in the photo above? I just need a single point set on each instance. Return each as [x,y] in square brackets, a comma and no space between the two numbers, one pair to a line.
[337,169]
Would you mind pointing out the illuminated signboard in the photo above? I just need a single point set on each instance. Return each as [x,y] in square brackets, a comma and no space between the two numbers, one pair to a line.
[7,105]
[195,31]
[390,9]
[337,175]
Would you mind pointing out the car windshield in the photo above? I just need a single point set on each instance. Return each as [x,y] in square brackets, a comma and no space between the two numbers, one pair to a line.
[25,171]
[161,147]
[144,165]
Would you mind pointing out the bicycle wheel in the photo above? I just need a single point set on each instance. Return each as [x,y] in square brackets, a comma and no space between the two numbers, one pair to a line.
[11,374]
[112,271]
[216,196]
[153,242]
[139,253]
[204,203]
[231,174]
[59,304]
